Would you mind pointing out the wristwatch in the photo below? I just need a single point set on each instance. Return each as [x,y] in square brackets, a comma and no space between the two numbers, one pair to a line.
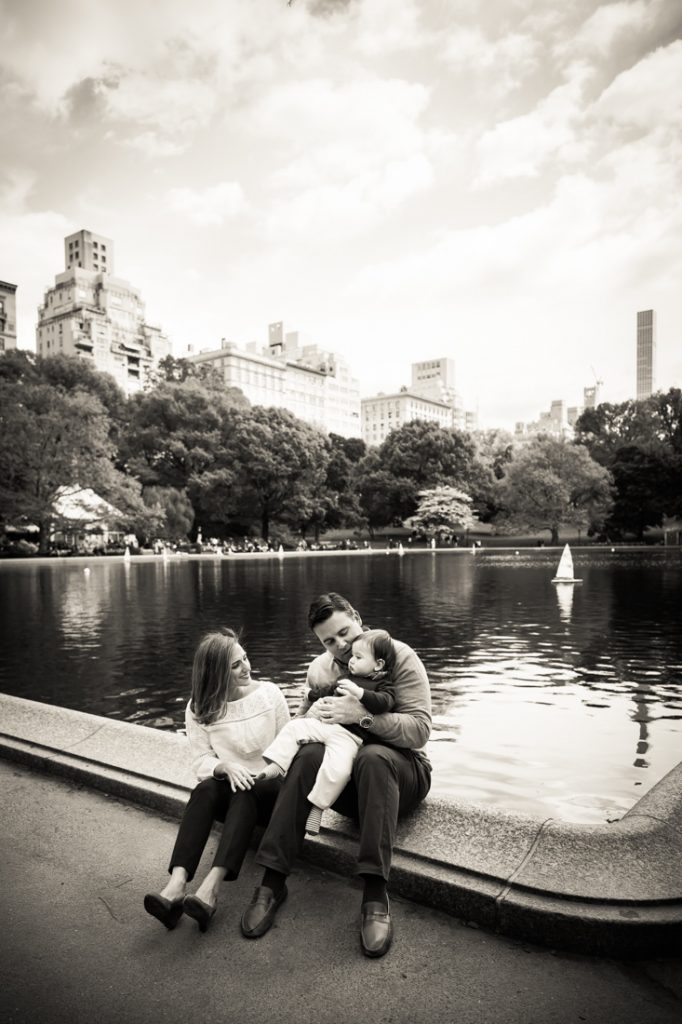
[367,721]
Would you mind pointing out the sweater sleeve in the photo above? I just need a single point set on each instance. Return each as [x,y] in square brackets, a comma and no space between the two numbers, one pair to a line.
[282,715]
[378,702]
[204,757]
[409,724]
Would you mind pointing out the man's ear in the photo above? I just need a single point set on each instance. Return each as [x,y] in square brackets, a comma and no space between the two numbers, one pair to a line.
[356,616]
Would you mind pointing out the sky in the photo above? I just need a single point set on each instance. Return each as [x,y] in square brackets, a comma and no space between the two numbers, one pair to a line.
[497,182]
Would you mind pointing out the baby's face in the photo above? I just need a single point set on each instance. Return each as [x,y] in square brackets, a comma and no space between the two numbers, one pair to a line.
[362,661]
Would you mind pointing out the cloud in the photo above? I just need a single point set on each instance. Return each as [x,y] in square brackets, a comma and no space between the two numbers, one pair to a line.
[521,146]
[605,25]
[511,57]
[209,206]
[358,150]
[32,247]
[648,94]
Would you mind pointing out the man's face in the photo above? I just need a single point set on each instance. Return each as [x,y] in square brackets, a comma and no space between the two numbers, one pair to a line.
[337,633]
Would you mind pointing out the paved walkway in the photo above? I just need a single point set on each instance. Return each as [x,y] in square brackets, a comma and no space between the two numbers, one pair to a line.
[77,948]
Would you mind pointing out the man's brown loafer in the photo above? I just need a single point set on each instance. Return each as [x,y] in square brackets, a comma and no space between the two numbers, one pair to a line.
[260,913]
[376,929]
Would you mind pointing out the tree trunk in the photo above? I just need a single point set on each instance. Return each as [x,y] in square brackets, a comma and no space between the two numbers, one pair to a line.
[555,535]
[317,533]
[265,525]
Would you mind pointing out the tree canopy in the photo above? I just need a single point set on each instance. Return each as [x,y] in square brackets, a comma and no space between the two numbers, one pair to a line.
[442,510]
[553,483]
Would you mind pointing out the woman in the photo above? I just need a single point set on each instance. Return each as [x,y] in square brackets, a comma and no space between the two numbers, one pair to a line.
[230,720]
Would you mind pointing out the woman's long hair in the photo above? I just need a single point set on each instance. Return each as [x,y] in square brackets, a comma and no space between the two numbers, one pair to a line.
[211,672]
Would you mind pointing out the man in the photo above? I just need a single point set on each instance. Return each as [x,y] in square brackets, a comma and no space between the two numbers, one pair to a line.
[391,775]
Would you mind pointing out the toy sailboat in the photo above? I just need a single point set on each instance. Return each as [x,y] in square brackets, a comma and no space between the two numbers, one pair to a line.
[564,573]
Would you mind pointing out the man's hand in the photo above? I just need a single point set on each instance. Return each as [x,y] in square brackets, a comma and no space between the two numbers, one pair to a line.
[346,710]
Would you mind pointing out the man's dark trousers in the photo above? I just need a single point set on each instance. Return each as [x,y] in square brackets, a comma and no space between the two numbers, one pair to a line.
[387,782]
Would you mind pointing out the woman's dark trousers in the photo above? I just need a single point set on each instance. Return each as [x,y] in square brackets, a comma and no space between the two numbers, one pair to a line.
[386,783]
[213,800]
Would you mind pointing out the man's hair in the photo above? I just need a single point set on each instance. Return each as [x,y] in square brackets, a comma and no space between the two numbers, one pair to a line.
[381,646]
[324,606]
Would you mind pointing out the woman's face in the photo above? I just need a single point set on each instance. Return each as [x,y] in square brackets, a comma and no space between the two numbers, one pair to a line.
[240,666]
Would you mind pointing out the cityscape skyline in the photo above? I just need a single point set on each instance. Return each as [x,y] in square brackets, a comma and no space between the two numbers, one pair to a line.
[498,187]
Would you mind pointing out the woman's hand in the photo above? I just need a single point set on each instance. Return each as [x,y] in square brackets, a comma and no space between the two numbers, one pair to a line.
[346,710]
[235,773]
[348,686]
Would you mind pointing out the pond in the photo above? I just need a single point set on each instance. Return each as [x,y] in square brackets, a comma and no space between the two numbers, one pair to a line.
[558,702]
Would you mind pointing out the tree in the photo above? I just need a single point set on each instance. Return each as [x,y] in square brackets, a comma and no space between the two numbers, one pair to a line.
[645,489]
[270,464]
[553,483]
[174,433]
[609,427]
[415,456]
[175,511]
[176,371]
[641,443]
[442,510]
[49,439]
[494,454]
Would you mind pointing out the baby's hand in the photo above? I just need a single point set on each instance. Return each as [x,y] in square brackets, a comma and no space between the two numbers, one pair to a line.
[346,686]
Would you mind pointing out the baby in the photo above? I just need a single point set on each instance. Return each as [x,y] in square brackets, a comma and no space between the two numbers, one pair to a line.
[372,660]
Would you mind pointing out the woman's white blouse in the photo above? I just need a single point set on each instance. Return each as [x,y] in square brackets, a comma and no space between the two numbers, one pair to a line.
[248,726]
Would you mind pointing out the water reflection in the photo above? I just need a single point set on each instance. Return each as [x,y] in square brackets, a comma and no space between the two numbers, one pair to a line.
[549,699]
[564,596]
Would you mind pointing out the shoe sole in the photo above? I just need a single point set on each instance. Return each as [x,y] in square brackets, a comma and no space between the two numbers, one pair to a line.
[266,924]
[166,915]
[195,909]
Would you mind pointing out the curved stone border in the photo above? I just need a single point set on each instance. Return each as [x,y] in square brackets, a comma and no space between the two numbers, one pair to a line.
[613,889]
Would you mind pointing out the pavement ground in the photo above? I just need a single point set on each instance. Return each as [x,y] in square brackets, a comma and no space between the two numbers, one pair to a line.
[76,946]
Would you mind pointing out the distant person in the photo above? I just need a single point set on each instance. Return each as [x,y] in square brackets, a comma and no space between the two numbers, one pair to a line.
[391,775]
[371,663]
[230,720]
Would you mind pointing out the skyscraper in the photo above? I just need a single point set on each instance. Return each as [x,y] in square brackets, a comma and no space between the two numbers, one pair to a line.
[646,353]
[92,314]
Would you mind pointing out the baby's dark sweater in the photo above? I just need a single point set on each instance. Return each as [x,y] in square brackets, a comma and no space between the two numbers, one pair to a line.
[377,698]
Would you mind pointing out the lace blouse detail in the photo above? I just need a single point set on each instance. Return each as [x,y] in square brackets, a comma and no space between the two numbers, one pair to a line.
[248,726]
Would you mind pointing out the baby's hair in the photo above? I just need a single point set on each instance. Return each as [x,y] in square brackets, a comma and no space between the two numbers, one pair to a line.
[381,646]
[211,674]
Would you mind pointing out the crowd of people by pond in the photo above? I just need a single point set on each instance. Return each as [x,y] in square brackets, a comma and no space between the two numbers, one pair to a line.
[356,743]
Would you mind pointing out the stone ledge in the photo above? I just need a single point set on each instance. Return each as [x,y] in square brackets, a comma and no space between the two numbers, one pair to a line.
[613,890]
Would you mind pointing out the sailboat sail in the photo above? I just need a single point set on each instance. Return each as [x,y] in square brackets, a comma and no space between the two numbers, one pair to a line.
[564,573]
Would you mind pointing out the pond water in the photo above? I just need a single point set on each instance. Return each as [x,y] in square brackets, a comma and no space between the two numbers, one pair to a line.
[561,702]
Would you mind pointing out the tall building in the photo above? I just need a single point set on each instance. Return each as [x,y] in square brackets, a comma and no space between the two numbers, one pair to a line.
[591,396]
[383,413]
[8,316]
[294,374]
[435,379]
[92,314]
[646,353]
[558,421]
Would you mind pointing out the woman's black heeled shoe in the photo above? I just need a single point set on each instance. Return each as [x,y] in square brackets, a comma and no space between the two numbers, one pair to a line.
[200,911]
[168,912]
